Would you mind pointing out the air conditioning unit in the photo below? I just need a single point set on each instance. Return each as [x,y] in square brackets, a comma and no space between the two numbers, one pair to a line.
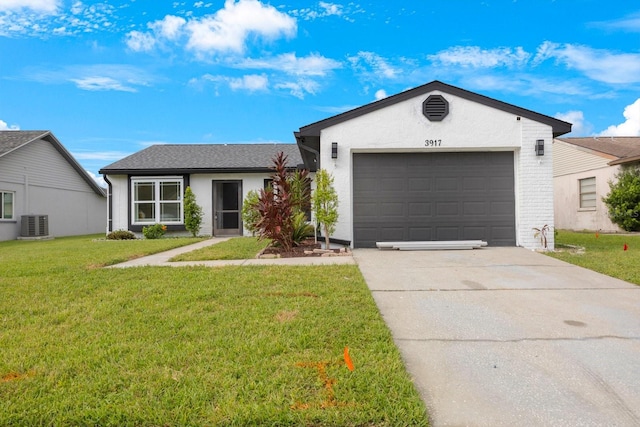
[35,225]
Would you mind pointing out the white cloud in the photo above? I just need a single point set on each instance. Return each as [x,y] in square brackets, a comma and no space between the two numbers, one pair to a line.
[101,83]
[5,126]
[476,57]
[312,65]
[631,125]
[106,156]
[579,125]
[140,42]
[44,6]
[380,94]
[630,23]
[372,63]
[228,29]
[300,88]
[170,27]
[250,82]
[97,178]
[598,64]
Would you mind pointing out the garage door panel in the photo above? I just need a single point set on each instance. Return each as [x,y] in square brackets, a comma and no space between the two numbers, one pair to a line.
[434,196]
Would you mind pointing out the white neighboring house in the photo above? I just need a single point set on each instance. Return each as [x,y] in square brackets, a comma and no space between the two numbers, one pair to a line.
[42,182]
[147,187]
[582,170]
[438,163]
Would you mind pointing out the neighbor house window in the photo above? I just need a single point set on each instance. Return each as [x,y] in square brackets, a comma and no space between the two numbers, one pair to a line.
[6,204]
[588,192]
[157,200]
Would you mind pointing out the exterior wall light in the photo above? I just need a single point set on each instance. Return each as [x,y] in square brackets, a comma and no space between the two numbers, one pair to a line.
[334,150]
[540,147]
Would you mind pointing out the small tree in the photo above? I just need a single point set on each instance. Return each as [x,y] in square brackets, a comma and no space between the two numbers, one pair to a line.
[192,213]
[623,200]
[325,203]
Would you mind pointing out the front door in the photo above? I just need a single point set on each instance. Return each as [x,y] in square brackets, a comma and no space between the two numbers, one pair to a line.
[227,208]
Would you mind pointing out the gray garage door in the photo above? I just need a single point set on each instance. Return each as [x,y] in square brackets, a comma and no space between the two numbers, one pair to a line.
[433,196]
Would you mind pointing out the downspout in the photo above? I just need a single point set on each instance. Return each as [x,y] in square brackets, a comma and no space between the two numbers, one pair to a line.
[109,205]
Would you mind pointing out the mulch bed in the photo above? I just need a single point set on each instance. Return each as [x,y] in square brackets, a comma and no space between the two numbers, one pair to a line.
[302,250]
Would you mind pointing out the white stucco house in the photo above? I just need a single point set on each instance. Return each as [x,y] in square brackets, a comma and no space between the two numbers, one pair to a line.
[432,163]
[147,187]
[582,170]
[44,192]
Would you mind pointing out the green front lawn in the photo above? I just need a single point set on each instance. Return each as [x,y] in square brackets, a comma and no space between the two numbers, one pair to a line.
[154,346]
[603,253]
[234,248]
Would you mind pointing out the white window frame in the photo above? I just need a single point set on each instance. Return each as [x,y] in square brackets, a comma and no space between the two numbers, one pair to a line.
[3,214]
[157,181]
[592,198]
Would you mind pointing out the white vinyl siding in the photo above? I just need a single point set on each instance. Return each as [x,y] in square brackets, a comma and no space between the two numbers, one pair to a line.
[6,205]
[588,193]
[157,200]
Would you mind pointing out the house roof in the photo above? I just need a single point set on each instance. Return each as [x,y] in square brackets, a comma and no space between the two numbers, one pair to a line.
[309,136]
[625,148]
[12,140]
[203,158]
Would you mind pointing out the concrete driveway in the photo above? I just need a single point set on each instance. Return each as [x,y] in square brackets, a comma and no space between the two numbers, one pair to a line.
[506,336]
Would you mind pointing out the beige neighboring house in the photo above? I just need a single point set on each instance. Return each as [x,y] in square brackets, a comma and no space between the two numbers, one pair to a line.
[582,170]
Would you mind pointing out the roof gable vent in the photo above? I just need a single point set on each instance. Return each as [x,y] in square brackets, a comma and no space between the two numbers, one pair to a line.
[435,108]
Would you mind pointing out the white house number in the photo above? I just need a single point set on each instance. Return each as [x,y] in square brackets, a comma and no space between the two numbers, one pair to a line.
[432,142]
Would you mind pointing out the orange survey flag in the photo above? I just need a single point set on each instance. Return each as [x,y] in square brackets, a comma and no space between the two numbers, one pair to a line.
[625,247]
[347,359]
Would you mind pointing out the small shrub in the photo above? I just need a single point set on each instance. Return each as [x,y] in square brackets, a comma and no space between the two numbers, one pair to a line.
[192,213]
[250,213]
[154,231]
[301,228]
[121,235]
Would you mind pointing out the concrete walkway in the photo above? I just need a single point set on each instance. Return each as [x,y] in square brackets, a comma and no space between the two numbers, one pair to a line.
[162,258]
[510,337]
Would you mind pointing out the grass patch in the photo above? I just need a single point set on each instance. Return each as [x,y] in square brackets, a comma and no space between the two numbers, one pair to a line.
[191,346]
[604,253]
[234,248]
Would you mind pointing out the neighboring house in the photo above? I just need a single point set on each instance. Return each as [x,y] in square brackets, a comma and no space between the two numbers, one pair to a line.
[40,179]
[438,163]
[582,170]
[147,187]
[433,163]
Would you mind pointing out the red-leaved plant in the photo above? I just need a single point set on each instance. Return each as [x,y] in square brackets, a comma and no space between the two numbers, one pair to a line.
[278,205]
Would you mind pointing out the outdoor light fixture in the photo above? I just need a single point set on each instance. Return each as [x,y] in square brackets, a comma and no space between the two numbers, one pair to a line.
[334,150]
[540,147]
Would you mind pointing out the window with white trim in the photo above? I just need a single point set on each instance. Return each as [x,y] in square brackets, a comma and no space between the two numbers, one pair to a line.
[588,193]
[157,200]
[6,204]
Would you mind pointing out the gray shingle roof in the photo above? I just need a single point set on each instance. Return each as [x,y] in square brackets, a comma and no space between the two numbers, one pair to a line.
[189,158]
[12,139]
[625,148]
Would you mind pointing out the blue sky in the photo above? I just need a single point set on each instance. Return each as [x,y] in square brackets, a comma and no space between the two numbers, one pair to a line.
[111,77]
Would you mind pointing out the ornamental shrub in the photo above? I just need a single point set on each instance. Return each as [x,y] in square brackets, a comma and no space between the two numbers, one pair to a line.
[250,214]
[325,204]
[121,235]
[623,200]
[192,213]
[154,231]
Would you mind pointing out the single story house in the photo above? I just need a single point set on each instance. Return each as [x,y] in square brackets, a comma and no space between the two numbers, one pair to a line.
[147,187]
[582,170]
[44,192]
[432,163]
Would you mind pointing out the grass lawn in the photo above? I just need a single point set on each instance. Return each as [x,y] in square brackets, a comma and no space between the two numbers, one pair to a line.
[234,248]
[604,253]
[163,346]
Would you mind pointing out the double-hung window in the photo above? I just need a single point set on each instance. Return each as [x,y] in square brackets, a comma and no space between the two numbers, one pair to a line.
[157,200]
[6,204]
[588,193]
